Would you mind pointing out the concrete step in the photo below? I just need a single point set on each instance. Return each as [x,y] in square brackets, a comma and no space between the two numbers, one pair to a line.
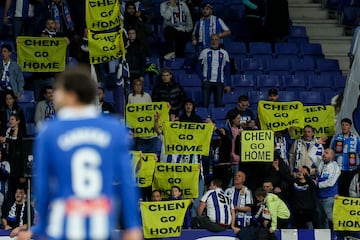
[324,30]
[315,21]
[299,1]
[307,11]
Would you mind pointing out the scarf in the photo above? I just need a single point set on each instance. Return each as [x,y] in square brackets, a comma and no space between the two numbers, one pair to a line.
[280,143]
[12,214]
[56,14]
[5,76]
[50,34]
[12,133]
[177,18]
[49,111]
[212,29]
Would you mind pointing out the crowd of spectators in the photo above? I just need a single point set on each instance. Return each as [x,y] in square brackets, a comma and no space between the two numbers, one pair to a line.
[301,182]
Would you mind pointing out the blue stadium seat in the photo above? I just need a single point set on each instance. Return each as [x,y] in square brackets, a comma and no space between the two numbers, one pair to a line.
[328,96]
[339,83]
[256,96]
[252,66]
[288,96]
[237,11]
[294,83]
[266,82]
[320,83]
[30,129]
[236,48]
[28,96]
[260,48]
[230,98]
[202,112]
[189,50]
[29,111]
[189,80]
[298,31]
[307,66]
[218,114]
[328,65]
[285,48]
[278,66]
[311,49]
[244,82]
[174,64]
[311,98]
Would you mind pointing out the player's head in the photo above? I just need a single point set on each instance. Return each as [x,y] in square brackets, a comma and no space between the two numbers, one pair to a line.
[74,87]
[175,191]
[156,196]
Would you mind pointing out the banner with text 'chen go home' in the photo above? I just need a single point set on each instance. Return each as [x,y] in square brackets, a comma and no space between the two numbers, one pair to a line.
[187,138]
[144,164]
[102,15]
[105,46]
[163,219]
[279,116]
[183,175]
[321,118]
[41,54]
[346,214]
[140,117]
[257,146]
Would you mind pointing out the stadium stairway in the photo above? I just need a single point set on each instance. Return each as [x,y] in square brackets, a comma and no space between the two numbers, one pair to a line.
[321,29]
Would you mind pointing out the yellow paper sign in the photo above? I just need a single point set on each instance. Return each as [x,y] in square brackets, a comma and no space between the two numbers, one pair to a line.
[41,54]
[102,15]
[257,146]
[144,164]
[346,214]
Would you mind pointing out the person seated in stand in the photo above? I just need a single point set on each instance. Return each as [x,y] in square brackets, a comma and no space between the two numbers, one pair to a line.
[177,195]
[45,109]
[15,217]
[156,196]
[106,107]
[137,94]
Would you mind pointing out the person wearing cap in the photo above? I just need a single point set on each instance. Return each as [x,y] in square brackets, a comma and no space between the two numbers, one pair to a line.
[273,95]
[347,149]
[214,71]
[177,26]
[189,114]
[207,26]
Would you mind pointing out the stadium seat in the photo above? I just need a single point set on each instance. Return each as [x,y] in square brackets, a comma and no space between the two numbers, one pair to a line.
[30,129]
[236,48]
[260,48]
[29,111]
[288,96]
[252,66]
[328,65]
[218,114]
[202,112]
[266,82]
[256,96]
[189,50]
[189,80]
[311,49]
[294,83]
[328,96]
[277,66]
[174,64]
[311,98]
[286,49]
[306,66]
[28,96]
[320,83]
[339,83]
[230,98]
[244,82]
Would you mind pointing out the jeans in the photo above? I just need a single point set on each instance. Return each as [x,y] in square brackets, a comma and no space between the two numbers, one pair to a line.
[212,87]
[148,145]
[326,210]
[197,200]
[175,41]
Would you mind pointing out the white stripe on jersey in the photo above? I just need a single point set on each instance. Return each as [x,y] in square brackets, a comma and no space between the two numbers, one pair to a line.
[56,218]
[218,206]
[99,223]
[75,226]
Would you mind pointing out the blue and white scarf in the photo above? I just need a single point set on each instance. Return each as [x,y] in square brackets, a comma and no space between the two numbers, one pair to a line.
[56,14]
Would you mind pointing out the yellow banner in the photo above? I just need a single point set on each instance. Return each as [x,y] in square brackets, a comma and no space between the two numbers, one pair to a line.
[144,164]
[257,146]
[278,116]
[321,118]
[163,219]
[183,175]
[140,117]
[346,214]
[187,138]
[41,54]
[102,15]
[105,47]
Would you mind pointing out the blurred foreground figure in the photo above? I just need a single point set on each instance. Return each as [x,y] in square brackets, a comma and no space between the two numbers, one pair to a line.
[78,158]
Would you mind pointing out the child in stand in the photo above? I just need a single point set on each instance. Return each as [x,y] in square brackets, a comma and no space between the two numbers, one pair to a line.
[176,195]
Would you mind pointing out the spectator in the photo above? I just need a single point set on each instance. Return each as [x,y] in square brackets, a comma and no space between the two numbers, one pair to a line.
[4,179]
[206,27]
[242,108]
[15,218]
[327,185]
[303,199]
[135,56]
[11,75]
[11,107]
[137,94]
[177,195]
[254,12]
[354,189]
[60,12]
[242,200]
[167,90]
[219,207]
[235,128]
[347,149]
[273,95]
[279,212]
[282,144]
[22,13]
[45,109]
[189,114]
[50,30]
[305,151]
[177,27]
[106,107]
[156,196]
[214,71]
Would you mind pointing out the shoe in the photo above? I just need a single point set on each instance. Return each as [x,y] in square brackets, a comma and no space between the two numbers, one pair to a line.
[169,56]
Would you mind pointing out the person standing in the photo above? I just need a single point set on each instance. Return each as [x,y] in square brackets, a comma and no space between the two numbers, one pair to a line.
[86,154]
[214,71]
[347,149]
